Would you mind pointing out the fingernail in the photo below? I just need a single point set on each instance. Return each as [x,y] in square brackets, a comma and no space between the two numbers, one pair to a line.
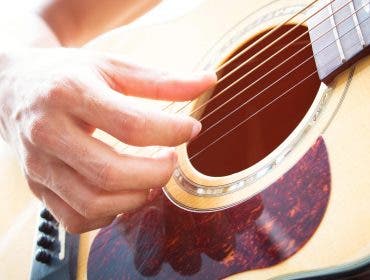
[167,152]
[197,127]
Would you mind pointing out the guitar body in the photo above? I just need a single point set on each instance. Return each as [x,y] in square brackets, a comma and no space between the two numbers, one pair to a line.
[306,214]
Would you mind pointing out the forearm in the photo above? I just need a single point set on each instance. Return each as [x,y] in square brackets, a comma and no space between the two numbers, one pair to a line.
[66,22]
[76,22]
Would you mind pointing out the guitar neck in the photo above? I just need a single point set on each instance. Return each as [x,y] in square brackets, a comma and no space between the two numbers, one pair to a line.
[340,35]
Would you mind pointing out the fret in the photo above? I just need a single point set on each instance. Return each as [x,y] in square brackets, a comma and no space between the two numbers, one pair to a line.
[362,15]
[357,24]
[323,41]
[335,31]
[340,35]
[347,29]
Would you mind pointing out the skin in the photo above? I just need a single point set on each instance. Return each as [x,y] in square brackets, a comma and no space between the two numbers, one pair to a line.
[52,98]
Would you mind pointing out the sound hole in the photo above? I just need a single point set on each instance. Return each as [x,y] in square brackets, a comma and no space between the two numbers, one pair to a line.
[265,131]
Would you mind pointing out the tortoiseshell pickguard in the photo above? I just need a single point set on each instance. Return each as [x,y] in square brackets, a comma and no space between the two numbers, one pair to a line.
[162,241]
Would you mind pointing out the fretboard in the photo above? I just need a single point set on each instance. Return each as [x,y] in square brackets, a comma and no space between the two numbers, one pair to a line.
[340,34]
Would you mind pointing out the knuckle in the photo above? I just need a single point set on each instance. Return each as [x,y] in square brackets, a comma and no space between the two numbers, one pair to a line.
[56,92]
[83,151]
[45,134]
[133,120]
[158,86]
[92,102]
[60,186]
[60,92]
[39,131]
[104,176]
[133,123]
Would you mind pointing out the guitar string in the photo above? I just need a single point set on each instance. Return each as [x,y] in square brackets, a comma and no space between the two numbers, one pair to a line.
[251,46]
[261,51]
[226,63]
[310,74]
[274,100]
[264,107]
[251,71]
[313,73]
[270,58]
[248,101]
[250,117]
[269,72]
[258,111]
[271,102]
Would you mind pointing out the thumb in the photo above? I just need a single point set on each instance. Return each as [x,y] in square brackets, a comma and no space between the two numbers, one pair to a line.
[132,79]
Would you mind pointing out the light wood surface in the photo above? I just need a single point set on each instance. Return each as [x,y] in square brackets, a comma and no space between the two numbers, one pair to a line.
[344,234]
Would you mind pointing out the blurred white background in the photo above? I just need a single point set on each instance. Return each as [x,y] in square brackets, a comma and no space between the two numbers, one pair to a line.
[169,9]
[166,10]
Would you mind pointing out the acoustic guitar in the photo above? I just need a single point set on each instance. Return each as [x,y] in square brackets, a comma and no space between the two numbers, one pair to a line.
[277,184]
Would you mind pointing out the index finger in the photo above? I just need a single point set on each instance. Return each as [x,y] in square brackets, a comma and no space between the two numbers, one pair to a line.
[132,79]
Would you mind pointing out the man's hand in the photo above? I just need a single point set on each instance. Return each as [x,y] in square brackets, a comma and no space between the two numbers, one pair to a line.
[52,100]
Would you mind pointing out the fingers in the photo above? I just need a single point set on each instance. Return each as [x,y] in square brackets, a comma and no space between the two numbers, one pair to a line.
[88,200]
[115,115]
[139,81]
[103,166]
[82,180]
[72,221]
